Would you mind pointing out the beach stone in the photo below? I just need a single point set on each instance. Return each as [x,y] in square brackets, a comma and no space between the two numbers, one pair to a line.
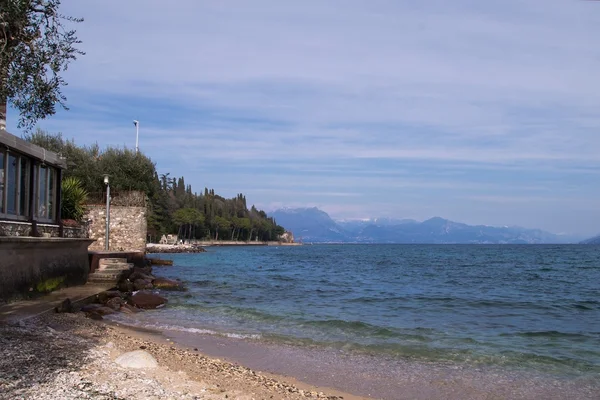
[141,284]
[64,307]
[127,309]
[140,275]
[103,310]
[115,303]
[137,359]
[104,297]
[125,286]
[93,315]
[90,307]
[167,284]
[147,300]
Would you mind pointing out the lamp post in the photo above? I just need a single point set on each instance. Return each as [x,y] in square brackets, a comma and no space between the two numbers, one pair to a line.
[106,246]
[137,134]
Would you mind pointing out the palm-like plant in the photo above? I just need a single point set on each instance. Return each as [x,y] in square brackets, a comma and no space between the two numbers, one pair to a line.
[74,197]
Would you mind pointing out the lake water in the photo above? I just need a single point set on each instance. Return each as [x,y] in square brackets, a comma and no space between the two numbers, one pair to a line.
[524,309]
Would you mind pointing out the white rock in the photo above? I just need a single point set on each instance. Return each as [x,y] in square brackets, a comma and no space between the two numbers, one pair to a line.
[137,359]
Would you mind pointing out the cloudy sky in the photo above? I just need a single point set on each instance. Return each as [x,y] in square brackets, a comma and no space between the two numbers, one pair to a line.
[483,112]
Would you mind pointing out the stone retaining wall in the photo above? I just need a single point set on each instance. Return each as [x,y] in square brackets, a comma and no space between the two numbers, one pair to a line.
[128,227]
[19,229]
[31,265]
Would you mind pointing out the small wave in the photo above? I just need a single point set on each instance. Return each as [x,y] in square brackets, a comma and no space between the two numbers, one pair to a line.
[364,329]
[201,331]
[548,334]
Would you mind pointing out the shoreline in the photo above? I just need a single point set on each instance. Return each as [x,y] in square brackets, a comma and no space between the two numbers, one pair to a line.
[67,356]
[74,356]
[368,376]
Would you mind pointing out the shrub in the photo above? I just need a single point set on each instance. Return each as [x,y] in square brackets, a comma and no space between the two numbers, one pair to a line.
[74,197]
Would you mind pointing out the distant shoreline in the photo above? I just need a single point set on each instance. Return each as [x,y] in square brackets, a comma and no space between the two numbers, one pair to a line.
[198,246]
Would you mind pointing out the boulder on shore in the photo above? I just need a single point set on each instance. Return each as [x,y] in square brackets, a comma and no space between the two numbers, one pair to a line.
[129,309]
[65,307]
[103,310]
[126,286]
[115,303]
[167,284]
[137,359]
[141,284]
[90,307]
[104,297]
[140,275]
[147,300]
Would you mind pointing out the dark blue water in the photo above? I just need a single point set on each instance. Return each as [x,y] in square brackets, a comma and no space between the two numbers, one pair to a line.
[530,307]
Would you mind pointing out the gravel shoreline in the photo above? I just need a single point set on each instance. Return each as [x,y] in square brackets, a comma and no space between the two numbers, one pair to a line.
[67,356]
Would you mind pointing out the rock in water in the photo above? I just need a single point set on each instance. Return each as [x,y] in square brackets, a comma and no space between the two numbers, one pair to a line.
[147,300]
[167,284]
[137,359]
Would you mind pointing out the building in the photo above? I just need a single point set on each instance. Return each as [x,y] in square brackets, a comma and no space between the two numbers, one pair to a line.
[35,255]
[30,179]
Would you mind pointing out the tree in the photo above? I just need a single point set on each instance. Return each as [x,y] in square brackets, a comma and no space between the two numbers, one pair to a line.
[35,48]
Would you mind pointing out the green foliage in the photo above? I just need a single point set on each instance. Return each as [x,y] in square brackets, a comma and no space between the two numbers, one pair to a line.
[127,169]
[36,46]
[172,205]
[49,285]
[74,198]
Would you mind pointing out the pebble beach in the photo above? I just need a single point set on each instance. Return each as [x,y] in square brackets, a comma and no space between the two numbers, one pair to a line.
[68,356]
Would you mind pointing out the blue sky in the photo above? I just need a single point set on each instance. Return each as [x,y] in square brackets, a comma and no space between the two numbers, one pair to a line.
[484,112]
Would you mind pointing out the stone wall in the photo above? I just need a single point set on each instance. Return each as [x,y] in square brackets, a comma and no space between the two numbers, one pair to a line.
[14,228]
[31,265]
[128,227]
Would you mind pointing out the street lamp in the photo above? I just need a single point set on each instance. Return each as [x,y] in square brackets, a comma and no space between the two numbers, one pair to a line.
[107,212]
[137,134]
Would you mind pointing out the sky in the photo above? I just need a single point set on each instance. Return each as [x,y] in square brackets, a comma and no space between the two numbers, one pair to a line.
[483,112]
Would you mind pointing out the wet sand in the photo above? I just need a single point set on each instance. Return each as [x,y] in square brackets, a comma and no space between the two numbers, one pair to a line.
[377,377]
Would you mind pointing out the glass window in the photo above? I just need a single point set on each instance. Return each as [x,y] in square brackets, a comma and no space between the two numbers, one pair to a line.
[24,188]
[43,192]
[51,191]
[1,181]
[11,185]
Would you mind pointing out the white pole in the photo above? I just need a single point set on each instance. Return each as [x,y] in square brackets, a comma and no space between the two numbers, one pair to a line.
[107,239]
[137,135]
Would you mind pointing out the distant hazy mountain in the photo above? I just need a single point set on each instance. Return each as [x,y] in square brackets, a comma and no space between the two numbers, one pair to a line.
[594,240]
[314,225]
[310,224]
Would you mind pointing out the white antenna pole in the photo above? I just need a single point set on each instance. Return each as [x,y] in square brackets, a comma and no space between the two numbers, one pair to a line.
[137,134]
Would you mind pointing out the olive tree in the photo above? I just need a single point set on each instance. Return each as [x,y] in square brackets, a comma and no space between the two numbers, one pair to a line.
[36,47]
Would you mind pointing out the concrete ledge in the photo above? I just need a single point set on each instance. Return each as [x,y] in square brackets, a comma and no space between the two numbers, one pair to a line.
[31,265]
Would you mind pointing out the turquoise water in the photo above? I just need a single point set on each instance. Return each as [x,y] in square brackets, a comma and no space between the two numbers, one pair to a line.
[535,308]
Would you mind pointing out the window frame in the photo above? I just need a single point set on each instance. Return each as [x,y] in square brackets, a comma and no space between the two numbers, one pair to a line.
[31,193]
[16,216]
[50,171]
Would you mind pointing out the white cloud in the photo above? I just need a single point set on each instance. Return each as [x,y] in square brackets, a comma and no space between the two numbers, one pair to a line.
[462,86]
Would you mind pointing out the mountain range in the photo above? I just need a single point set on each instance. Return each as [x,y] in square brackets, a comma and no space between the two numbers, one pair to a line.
[316,226]
[594,240]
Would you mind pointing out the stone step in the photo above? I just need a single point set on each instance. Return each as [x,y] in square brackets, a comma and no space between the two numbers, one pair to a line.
[107,275]
[115,266]
[107,261]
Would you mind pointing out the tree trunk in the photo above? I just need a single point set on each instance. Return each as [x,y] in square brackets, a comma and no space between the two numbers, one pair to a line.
[3,115]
